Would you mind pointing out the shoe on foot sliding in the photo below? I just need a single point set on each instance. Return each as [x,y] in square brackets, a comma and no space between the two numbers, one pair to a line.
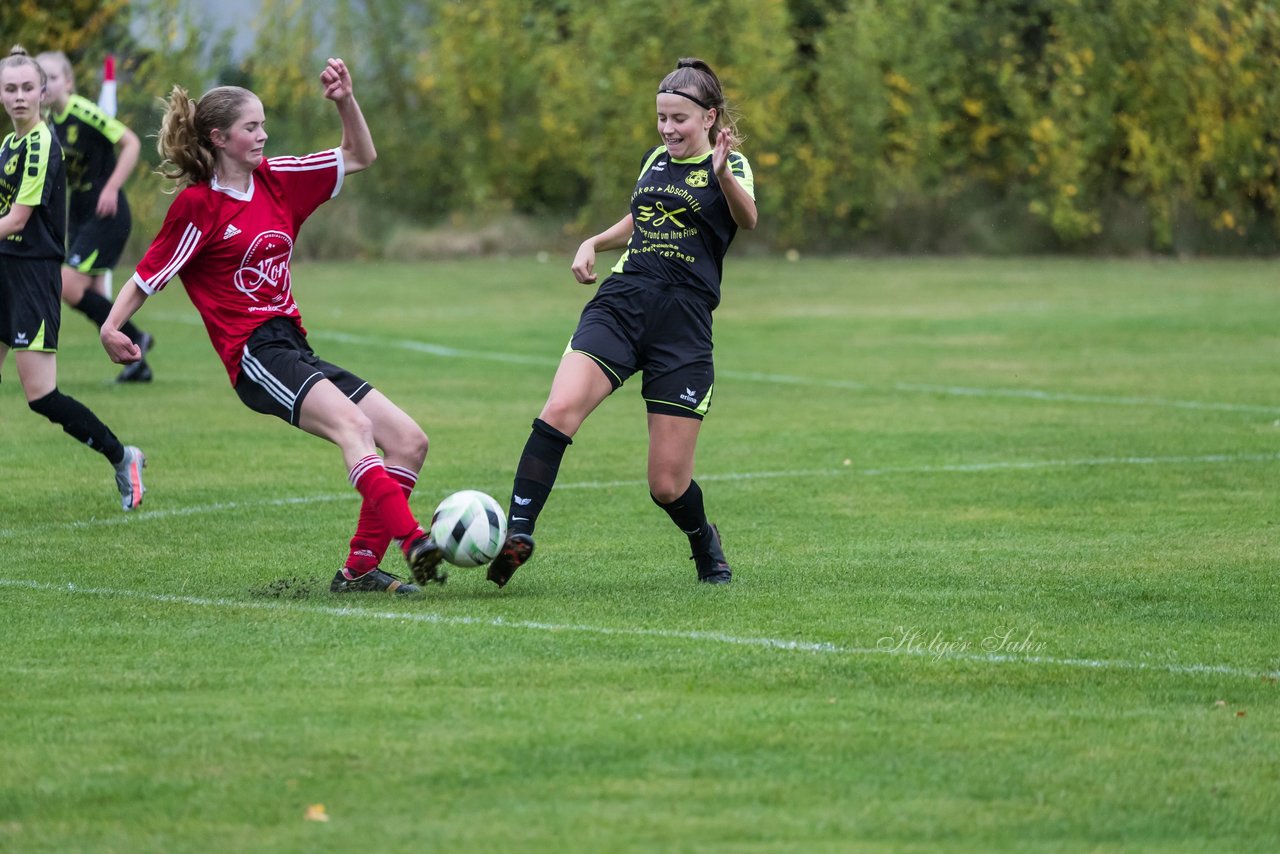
[517,549]
[423,557]
[373,581]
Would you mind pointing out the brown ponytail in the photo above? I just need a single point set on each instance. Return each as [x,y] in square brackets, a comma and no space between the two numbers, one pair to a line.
[185,141]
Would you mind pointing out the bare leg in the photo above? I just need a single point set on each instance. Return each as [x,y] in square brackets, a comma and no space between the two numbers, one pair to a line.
[74,284]
[401,439]
[672,442]
[328,413]
[578,388]
[38,373]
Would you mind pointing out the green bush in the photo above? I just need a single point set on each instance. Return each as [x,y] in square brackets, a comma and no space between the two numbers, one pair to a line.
[970,125]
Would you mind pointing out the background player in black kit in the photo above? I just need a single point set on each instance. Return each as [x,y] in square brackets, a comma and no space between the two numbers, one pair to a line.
[652,315]
[33,215]
[98,212]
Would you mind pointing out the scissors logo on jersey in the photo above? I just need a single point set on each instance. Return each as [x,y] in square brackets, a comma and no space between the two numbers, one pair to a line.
[266,266]
[646,214]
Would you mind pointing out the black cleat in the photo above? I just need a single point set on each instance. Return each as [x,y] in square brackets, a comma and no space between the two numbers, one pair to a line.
[139,371]
[713,568]
[373,581]
[517,549]
[424,558]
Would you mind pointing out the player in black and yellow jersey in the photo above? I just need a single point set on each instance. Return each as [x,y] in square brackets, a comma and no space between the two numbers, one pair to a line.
[652,315]
[33,215]
[98,212]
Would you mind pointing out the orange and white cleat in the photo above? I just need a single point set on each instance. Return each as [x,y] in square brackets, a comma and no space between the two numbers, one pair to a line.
[129,478]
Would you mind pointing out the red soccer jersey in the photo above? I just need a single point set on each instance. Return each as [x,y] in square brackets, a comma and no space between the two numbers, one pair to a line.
[232,249]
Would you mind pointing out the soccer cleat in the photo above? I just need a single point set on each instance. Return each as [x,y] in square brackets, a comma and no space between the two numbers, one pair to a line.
[139,371]
[713,568]
[424,556]
[129,478]
[517,549]
[373,581]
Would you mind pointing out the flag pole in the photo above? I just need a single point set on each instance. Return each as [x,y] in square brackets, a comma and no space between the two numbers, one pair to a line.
[107,103]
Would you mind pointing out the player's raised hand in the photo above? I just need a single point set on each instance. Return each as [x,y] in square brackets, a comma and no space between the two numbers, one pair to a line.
[336,80]
[720,154]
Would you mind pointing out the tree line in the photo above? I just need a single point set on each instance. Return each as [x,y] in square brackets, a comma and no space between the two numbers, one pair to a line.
[896,125]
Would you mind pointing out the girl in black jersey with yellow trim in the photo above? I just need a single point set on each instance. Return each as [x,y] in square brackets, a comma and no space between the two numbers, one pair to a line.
[99,221]
[33,216]
[652,315]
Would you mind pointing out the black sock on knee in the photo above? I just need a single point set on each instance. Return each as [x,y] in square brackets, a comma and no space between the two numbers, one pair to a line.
[535,475]
[94,306]
[687,512]
[97,308]
[78,422]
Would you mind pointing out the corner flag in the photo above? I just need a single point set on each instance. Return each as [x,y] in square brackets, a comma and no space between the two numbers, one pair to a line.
[107,97]
[107,103]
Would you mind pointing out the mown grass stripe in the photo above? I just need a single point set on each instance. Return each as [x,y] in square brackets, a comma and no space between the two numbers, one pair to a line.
[446,352]
[818,647]
[958,468]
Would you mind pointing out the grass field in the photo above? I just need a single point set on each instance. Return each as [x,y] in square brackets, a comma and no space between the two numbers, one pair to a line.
[1005,538]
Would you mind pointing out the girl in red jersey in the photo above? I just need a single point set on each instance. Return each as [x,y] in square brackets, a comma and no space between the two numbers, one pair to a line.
[229,235]
[33,217]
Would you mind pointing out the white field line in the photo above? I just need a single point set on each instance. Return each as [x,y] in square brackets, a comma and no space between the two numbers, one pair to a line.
[1066,397]
[663,634]
[785,379]
[959,468]
[1010,465]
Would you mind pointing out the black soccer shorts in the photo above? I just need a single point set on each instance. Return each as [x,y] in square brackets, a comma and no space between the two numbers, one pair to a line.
[95,244]
[30,311]
[663,332]
[278,368]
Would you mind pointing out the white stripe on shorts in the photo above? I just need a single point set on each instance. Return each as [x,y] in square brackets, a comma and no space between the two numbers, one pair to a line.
[258,372]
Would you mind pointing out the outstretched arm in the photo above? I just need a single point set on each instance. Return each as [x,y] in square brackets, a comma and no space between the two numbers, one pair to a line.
[109,198]
[15,220]
[358,152]
[118,346]
[615,236]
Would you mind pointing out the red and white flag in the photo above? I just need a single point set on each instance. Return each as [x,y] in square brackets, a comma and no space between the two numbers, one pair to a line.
[107,97]
[107,103]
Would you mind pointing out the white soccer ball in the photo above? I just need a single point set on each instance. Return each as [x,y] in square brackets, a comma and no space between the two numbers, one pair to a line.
[470,527]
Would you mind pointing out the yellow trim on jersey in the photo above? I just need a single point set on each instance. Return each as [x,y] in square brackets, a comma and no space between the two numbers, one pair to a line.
[738,162]
[91,114]
[38,142]
[661,149]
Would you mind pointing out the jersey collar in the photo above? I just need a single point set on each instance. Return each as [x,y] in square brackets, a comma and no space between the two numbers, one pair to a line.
[698,159]
[246,196]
